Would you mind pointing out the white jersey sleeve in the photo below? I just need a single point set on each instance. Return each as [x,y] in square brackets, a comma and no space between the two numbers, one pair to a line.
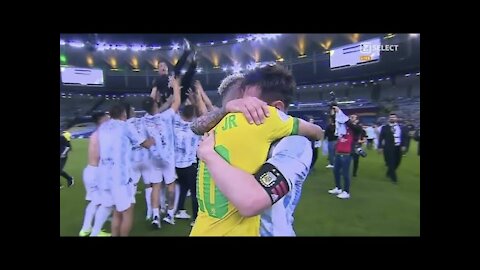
[292,156]
[135,132]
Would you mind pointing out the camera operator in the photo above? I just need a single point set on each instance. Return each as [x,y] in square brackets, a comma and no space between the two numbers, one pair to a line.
[332,140]
[348,134]
[358,142]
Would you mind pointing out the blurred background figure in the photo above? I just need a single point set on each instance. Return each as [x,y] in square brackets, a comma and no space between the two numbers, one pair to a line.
[65,148]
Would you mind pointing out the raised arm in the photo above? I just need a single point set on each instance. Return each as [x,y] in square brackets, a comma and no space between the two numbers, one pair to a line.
[175,83]
[201,93]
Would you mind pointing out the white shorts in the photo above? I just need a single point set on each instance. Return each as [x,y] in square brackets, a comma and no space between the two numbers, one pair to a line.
[139,169]
[122,196]
[90,181]
[157,173]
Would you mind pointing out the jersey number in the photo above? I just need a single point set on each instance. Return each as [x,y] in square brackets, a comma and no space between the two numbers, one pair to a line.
[212,201]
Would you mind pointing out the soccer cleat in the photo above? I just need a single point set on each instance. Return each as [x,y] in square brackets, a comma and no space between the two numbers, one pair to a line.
[156,223]
[329,166]
[335,191]
[83,233]
[104,234]
[343,195]
[182,214]
[169,219]
[71,182]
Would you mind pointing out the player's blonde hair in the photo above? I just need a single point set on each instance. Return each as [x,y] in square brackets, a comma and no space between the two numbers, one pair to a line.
[229,81]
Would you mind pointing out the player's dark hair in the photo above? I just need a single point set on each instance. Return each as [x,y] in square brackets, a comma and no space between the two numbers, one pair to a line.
[188,111]
[276,83]
[116,110]
[147,104]
[97,116]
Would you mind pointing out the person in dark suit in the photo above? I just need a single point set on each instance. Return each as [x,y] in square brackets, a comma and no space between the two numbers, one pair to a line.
[417,138]
[65,147]
[392,142]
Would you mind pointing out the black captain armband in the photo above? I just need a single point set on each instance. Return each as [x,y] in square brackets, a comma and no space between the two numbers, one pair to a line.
[273,181]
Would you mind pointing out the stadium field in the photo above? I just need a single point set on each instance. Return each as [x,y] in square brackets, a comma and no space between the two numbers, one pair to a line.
[376,207]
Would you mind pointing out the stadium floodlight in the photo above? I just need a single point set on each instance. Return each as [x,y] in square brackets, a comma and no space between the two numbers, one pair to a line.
[240,39]
[388,78]
[137,47]
[212,43]
[225,42]
[155,47]
[418,74]
[175,46]
[407,75]
[121,47]
[102,47]
[250,38]
[199,44]
[371,80]
[76,44]
[199,70]
[237,68]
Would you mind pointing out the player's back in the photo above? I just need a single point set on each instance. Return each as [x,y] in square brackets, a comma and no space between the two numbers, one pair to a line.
[115,151]
[186,142]
[93,149]
[244,146]
[139,153]
[160,128]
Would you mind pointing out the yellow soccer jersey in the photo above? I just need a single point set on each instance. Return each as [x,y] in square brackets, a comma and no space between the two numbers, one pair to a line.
[244,146]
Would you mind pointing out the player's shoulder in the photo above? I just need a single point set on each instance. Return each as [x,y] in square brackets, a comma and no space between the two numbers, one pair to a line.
[293,144]
[277,114]
[94,134]
[294,140]
[168,112]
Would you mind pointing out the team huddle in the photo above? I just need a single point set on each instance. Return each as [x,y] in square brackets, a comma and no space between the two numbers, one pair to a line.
[245,174]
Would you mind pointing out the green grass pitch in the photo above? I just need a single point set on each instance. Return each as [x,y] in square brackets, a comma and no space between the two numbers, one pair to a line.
[376,207]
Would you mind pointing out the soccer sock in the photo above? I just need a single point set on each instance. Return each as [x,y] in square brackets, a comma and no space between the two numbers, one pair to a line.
[177,196]
[148,198]
[100,218]
[162,198]
[88,218]
[155,212]
[170,212]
